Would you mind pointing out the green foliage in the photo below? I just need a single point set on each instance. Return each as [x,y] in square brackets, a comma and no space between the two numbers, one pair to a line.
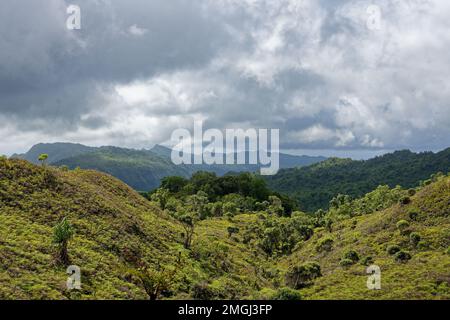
[160,196]
[346,262]
[367,261]
[62,233]
[351,255]
[402,256]
[232,230]
[402,226]
[413,214]
[325,244]
[405,200]
[393,249]
[242,192]
[415,238]
[299,276]
[173,184]
[43,158]
[314,186]
[287,294]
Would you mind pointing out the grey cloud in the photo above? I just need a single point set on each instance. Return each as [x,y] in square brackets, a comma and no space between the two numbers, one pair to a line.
[309,68]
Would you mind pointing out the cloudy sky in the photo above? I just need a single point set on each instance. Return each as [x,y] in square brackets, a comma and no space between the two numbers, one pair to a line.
[348,77]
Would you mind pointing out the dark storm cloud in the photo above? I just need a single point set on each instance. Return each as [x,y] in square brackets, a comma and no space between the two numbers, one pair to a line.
[139,69]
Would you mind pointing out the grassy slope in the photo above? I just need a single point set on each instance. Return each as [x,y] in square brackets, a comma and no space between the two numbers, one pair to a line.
[425,276]
[115,230]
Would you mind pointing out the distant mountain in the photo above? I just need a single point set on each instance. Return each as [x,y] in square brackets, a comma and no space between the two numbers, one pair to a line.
[314,186]
[140,169]
[56,151]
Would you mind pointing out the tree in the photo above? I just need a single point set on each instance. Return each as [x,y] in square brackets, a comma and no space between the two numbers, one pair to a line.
[43,158]
[160,196]
[62,233]
[155,281]
[300,276]
[189,225]
[173,184]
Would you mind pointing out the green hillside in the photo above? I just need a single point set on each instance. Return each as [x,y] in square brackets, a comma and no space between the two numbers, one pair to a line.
[129,247]
[140,169]
[316,185]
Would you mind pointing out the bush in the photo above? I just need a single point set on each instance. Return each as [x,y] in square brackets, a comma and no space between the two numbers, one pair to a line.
[325,244]
[351,255]
[367,261]
[402,256]
[393,249]
[203,291]
[411,192]
[423,245]
[402,225]
[346,262]
[413,215]
[414,238]
[405,200]
[300,276]
[287,294]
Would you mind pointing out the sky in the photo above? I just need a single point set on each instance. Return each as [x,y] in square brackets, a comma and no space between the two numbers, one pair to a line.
[348,77]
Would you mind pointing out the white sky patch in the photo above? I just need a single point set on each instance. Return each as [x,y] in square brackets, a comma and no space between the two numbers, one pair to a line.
[137,31]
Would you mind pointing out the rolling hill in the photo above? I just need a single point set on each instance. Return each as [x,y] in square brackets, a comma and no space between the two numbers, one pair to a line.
[314,186]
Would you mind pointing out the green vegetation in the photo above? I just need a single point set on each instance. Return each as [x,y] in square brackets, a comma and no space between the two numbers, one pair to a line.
[213,237]
[62,233]
[314,186]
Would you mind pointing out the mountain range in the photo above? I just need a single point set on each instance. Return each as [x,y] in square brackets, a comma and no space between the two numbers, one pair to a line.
[140,169]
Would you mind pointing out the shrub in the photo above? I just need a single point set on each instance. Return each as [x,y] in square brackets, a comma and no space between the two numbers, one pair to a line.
[325,244]
[62,233]
[402,256]
[366,261]
[346,262]
[414,238]
[411,192]
[300,276]
[351,255]
[422,245]
[402,226]
[287,294]
[232,230]
[413,215]
[405,200]
[203,291]
[393,249]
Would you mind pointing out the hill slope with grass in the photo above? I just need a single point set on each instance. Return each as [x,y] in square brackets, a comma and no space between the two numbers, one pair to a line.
[122,242]
[409,241]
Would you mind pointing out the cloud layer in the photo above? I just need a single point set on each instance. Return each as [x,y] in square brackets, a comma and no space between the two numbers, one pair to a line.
[320,71]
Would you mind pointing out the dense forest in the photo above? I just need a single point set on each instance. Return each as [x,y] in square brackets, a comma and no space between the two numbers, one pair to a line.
[314,186]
